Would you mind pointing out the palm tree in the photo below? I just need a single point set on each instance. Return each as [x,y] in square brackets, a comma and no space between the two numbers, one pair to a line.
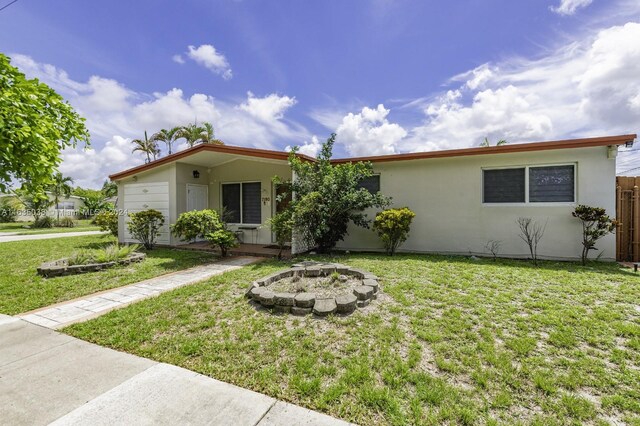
[146,145]
[195,134]
[61,186]
[486,143]
[167,136]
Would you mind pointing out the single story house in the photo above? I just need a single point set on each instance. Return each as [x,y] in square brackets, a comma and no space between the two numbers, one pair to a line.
[66,207]
[462,198]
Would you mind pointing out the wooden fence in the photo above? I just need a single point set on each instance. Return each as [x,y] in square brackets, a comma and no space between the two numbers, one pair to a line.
[628,217]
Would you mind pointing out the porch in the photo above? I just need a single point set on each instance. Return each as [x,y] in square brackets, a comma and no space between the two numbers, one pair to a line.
[243,249]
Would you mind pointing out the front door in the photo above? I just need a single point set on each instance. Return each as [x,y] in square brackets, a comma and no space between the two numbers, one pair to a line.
[197,197]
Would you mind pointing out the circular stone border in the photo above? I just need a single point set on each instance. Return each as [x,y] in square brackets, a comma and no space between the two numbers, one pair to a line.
[61,267]
[306,303]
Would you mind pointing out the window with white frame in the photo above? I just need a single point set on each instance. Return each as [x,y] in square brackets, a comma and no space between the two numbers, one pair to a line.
[241,202]
[529,184]
[66,205]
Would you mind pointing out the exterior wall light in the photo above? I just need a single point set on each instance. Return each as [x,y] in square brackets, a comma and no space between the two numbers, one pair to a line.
[196,174]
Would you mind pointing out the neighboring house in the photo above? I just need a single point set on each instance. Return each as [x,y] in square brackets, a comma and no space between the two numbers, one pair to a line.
[462,198]
[66,207]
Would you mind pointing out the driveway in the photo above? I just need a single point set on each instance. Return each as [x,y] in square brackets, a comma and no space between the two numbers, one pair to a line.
[4,238]
[51,378]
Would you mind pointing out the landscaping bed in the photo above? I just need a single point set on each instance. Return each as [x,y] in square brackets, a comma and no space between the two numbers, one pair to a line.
[61,267]
[456,341]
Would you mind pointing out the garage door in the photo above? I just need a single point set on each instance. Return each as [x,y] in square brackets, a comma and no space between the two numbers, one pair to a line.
[144,196]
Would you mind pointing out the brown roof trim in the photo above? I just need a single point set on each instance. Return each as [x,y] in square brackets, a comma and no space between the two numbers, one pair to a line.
[503,149]
[226,149]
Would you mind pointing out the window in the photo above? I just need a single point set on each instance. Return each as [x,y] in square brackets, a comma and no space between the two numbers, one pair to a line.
[531,184]
[551,184]
[242,203]
[504,185]
[66,205]
[371,184]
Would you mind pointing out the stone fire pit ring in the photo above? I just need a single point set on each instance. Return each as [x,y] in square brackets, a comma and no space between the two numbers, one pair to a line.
[305,303]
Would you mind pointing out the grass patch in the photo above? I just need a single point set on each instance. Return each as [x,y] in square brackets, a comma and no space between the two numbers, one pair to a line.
[19,228]
[450,340]
[22,289]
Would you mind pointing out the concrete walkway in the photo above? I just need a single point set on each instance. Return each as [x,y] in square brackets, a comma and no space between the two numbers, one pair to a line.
[4,238]
[91,306]
[51,378]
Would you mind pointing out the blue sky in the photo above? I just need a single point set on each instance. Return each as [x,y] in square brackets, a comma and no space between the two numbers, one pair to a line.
[387,76]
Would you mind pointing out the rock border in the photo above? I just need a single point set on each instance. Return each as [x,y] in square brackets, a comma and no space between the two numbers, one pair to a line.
[306,303]
[60,267]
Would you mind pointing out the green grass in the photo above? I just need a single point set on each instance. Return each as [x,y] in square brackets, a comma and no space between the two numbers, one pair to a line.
[450,340]
[21,289]
[19,228]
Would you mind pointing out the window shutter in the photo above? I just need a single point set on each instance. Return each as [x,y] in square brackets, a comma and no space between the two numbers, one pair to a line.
[231,202]
[503,185]
[551,184]
[251,204]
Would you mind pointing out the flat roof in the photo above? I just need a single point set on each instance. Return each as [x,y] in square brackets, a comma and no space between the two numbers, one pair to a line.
[282,155]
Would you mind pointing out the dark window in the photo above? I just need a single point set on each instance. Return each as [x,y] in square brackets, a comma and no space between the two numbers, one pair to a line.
[371,184]
[251,208]
[552,184]
[503,185]
[231,202]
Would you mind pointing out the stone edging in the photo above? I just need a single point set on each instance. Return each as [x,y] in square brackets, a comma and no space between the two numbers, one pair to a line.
[59,267]
[306,303]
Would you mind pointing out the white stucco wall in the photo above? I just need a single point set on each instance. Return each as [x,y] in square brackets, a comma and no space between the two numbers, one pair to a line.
[446,195]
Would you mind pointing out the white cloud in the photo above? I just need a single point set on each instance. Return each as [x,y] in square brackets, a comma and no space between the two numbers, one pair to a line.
[311,148]
[582,89]
[569,7]
[207,56]
[271,107]
[116,114]
[369,132]
[178,59]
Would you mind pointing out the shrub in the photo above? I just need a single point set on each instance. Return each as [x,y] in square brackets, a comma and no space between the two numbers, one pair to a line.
[81,257]
[329,197]
[107,220]
[531,232]
[111,253]
[8,209]
[223,239]
[281,225]
[144,226]
[595,225]
[65,222]
[392,226]
[43,222]
[196,224]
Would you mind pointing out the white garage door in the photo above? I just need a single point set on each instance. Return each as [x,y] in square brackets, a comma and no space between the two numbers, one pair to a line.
[144,196]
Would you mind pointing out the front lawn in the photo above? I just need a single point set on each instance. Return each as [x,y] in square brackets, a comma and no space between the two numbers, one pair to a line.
[451,340]
[22,289]
[18,228]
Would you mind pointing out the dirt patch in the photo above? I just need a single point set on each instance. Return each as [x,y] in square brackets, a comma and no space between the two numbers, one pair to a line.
[320,286]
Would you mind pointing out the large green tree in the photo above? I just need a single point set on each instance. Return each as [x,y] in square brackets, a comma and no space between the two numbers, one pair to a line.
[36,124]
[328,197]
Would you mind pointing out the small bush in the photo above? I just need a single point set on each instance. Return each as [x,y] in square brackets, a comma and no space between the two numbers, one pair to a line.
[223,239]
[8,209]
[111,253]
[81,257]
[281,225]
[392,226]
[65,222]
[196,224]
[107,220]
[145,225]
[595,225]
[43,222]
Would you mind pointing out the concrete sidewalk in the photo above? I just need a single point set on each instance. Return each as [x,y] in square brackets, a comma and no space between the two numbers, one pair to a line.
[94,305]
[50,377]
[12,237]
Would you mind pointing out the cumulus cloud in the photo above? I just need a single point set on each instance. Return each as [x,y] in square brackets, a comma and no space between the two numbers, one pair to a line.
[116,114]
[271,107]
[310,148]
[178,59]
[569,7]
[369,132]
[207,56]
